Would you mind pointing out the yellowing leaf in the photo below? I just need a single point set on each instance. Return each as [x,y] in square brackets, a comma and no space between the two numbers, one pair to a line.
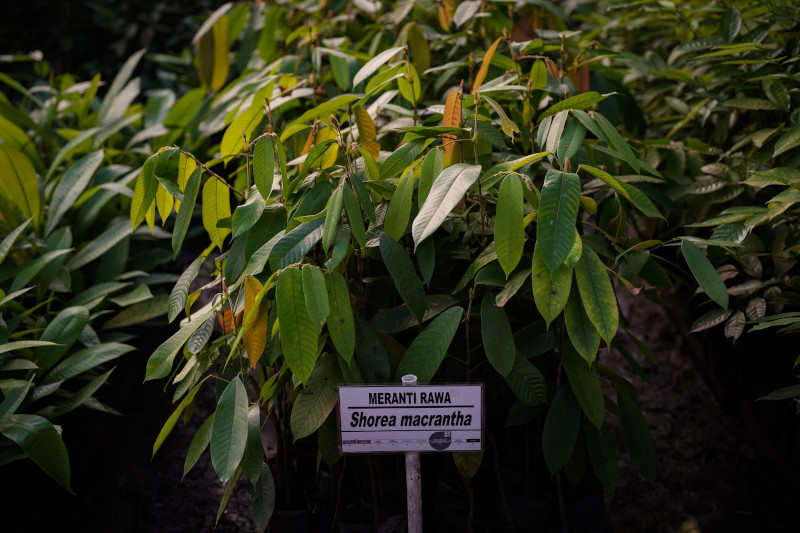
[244,124]
[329,157]
[213,47]
[216,207]
[164,202]
[487,59]
[451,119]
[255,330]
[19,182]
[445,12]
[186,166]
[367,132]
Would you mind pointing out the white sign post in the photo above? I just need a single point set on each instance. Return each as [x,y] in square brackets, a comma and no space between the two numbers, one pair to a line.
[411,419]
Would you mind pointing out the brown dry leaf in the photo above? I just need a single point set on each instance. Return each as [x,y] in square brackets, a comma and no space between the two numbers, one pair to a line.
[451,119]
[487,59]
[255,335]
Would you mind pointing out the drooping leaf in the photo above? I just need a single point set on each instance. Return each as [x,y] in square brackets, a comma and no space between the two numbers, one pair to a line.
[184,217]
[255,332]
[582,333]
[198,445]
[70,187]
[571,140]
[317,399]
[20,185]
[509,233]
[180,292]
[316,294]
[400,267]
[216,207]
[585,385]
[263,501]
[401,158]
[637,436]
[432,166]
[64,329]
[297,332]
[366,131]
[160,362]
[603,455]
[558,212]
[229,430]
[213,47]
[340,321]
[397,215]
[11,238]
[374,64]
[787,141]
[13,400]
[705,274]
[39,439]
[597,294]
[264,165]
[354,215]
[254,449]
[241,131]
[498,341]
[560,429]
[427,350]
[168,426]
[332,217]
[447,191]
[508,126]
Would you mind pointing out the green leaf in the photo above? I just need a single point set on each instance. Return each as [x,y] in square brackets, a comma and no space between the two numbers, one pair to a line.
[372,361]
[104,114]
[508,126]
[582,333]
[558,212]
[315,157]
[70,187]
[138,313]
[498,341]
[332,218]
[264,165]
[242,126]
[401,158]
[317,399]
[199,338]
[597,294]
[216,207]
[579,101]
[432,166]
[13,400]
[617,142]
[603,455]
[396,220]
[263,501]
[20,184]
[11,238]
[400,267]
[494,174]
[509,232]
[229,430]
[627,191]
[184,217]
[298,333]
[39,439]
[730,24]
[363,196]
[448,189]
[254,450]
[86,359]
[374,64]
[637,436]
[160,362]
[294,246]
[315,294]
[100,245]
[486,256]
[511,287]
[705,274]
[247,214]
[354,216]
[65,329]
[32,268]
[427,351]
[325,108]
[787,141]
[198,445]
[144,192]
[527,382]
[585,385]
[560,431]
[173,418]
[571,140]
[180,292]
[340,321]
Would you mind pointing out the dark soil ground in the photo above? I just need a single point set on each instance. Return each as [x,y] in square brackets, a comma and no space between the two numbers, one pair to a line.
[709,478]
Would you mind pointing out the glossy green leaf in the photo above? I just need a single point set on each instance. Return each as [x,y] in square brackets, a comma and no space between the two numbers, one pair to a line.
[354,215]
[432,166]
[184,217]
[104,114]
[229,430]
[86,359]
[198,445]
[13,400]
[138,313]
[64,330]
[560,431]
[70,187]
[585,385]
[32,268]
[101,244]
[486,257]
[326,108]
[264,165]
[317,399]
[199,338]
[332,217]
[240,129]
[597,294]
[558,212]
[509,233]
[294,246]
[447,191]
[11,238]
[340,321]
[216,207]
[39,439]
[571,140]
[173,418]
[637,436]
[705,274]
[400,267]
[297,331]
[315,294]
[180,292]
[582,333]
[160,362]
[427,350]
[627,191]
[498,341]
[496,173]
[247,214]
[617,142]
[730,24]
[396,220]
[401,158]
[787,141]
[254,450]
[579,101]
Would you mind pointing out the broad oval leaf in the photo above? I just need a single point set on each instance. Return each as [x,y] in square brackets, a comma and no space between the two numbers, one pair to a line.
[297,332]
[426,352]
[582,333]
[498,341]
[264,165]
[448,189]
[198,445]
[705,274]
[332,216]
[39,439]
[70,187]
[216,207]
[558,212]
[229,430]
[263,501]
[317,399]
[585,385]
[315,294]
[597,294]
[527,382]
[340,321]
[509,232]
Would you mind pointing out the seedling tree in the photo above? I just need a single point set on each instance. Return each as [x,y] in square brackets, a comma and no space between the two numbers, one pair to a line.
[415,191]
